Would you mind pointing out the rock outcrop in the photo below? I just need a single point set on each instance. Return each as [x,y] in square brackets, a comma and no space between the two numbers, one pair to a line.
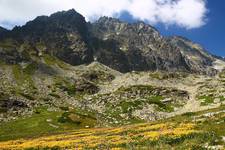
[195,55]
[63,34]
[2,30]
[138,46]
[119,45]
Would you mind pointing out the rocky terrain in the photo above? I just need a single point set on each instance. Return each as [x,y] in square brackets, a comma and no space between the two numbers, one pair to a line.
[2,30]
[60,73]
[119,45]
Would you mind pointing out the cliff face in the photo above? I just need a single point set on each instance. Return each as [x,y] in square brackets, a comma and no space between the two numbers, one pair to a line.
[2,30]
[138,47]
[63,34]
[195,55]
[122,46]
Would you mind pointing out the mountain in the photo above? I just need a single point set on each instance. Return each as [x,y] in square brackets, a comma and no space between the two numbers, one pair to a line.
[195,55]
[139,47]
[135,46]
[63,34]
[60,74]
[2,29]
[122,46]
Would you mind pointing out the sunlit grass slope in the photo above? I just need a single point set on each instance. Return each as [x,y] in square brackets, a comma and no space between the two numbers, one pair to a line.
[201,130]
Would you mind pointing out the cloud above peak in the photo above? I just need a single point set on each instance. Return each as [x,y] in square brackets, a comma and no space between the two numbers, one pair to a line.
[183,13]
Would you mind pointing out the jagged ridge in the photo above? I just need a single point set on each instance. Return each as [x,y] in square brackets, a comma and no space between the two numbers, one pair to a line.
[122,46]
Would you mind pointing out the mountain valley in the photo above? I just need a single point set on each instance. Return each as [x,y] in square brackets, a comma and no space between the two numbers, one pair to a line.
[70,84]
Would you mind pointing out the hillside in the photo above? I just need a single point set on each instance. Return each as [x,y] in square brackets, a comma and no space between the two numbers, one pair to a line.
[64,80]
[203,130]
[2,29]
[119,45]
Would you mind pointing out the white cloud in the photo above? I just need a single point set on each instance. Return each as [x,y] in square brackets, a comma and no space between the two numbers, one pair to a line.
[184,13]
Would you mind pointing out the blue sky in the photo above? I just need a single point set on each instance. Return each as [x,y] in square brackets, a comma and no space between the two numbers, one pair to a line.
[212,35]
[202,21]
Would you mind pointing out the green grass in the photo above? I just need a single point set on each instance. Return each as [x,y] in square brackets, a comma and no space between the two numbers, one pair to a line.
[209,131]
[222,74]
[29,127]
[51,60]
[123,109]
[23,75]
[8,44]
[78,117]
[37,124]
[206,100]
[134,88]
[128,107]
[212,129]
[165,75]
[23,78]
[113,112]
[98,76]
[30,69]
[222,98]
[18,74]
[161,106]
[27,96]
[191,142]
[65,85]
[54,95]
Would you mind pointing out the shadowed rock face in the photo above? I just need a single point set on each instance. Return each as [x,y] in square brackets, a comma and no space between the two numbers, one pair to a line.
[12,104]
[195,55]
[63,34]
[84,86]
[137,46]
[2,30]
[122,46]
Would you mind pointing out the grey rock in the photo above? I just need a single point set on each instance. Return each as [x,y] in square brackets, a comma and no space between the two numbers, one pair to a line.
[120,45]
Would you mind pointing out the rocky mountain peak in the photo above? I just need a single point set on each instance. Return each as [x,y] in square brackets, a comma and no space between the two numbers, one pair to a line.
[63,34]
[64,21]
[2,29]
[114,24]
[120,45]
[189,46]
[105,20]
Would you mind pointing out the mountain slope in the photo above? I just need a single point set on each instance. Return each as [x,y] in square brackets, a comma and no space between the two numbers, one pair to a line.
[134,47]
[122,46]
[195,55]
[59,73]
[2,29]
[63,34]
[46,60]
[189,131]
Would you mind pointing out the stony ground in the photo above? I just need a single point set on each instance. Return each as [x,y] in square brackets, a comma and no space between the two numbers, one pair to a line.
[53,97]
